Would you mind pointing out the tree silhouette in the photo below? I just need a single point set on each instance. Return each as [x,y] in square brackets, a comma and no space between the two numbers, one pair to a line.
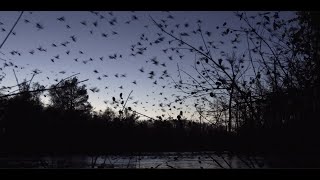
[22,114]
[129,118]
[70,97]
[108,114]
[280,52]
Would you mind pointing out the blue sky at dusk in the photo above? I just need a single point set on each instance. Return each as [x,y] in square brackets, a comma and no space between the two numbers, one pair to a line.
[119,39]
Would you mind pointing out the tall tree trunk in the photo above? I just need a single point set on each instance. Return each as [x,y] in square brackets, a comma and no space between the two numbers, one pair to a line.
[230,109]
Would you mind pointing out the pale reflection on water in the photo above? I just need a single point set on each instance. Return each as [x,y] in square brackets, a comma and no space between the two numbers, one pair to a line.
[167,160]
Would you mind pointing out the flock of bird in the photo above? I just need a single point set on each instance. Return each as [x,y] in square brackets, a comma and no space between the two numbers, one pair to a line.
[165,96]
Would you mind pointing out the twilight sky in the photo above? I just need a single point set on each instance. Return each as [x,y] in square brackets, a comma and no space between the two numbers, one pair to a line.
[89,29]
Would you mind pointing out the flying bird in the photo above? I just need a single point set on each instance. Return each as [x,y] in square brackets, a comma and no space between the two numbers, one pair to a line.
[62,19]
[73,38]
[84,23]
[39,26]
[95,23]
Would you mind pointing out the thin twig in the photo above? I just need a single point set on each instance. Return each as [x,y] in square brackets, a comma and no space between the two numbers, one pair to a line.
[32,78]
[66,78]
[226,161]
[11,30]
[214,160]
[144,115]
[126,100]
[38,90]
[16,79]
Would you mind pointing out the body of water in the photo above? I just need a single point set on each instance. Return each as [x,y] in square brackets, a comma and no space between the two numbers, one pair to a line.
[166,160]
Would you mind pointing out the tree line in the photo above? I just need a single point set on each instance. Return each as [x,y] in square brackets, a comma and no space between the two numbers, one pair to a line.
[69,125]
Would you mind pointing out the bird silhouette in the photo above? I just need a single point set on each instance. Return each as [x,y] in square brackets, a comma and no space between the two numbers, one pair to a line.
[95,24]
[73,38]
[39,26]
[62,19]
[65,43]
[154,61]
[134,17]
[84,23]
[94,89]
